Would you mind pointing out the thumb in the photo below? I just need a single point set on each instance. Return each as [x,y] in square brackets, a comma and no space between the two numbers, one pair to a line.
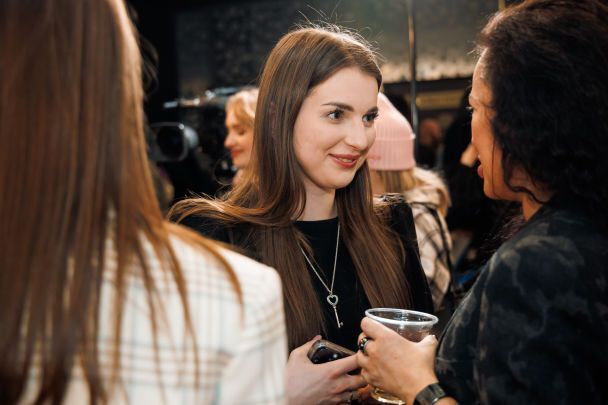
[429,340]
[303,350]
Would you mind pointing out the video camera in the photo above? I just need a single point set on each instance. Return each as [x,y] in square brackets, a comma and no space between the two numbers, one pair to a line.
[191,150]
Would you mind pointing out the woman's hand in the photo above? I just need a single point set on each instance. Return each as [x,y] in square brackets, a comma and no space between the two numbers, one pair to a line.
[327,383]
[393,363]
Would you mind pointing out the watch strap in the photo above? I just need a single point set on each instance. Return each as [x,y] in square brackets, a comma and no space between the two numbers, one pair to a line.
[430,395]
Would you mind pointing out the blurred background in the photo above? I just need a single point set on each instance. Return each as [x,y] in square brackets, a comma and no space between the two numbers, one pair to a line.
[203,51]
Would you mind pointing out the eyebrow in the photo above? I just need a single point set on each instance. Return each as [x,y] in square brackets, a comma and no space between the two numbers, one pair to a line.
[347,107]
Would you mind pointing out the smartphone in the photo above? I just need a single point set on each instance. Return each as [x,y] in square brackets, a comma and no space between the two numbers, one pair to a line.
[323,351]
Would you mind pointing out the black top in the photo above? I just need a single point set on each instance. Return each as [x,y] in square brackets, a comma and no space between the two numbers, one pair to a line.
[352,301]
[534,327]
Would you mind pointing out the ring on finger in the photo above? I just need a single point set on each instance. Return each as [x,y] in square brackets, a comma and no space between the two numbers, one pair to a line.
[362,343]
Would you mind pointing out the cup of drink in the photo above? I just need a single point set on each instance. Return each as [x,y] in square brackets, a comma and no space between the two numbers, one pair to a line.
[412,325]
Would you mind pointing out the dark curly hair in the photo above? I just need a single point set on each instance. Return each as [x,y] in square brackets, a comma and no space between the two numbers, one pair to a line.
[546,63]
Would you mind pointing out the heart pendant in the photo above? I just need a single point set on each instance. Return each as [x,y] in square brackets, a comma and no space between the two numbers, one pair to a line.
[332,299]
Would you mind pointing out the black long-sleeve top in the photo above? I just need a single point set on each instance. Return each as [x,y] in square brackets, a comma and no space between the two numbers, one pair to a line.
[352,301]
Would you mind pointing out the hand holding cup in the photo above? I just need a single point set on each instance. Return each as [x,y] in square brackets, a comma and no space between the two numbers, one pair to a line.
[391,363]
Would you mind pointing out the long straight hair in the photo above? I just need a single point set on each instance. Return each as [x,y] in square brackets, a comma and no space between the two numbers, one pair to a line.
[74,180]
[272,194]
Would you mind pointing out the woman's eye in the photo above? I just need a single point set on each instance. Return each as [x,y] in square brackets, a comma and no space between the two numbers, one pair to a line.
[470,109]
[371,117]
[335,115]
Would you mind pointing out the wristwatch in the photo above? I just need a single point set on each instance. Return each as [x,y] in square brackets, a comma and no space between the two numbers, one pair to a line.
[430,395]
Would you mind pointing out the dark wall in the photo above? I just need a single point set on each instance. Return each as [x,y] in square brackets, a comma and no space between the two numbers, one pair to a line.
[156,24]
[206,44]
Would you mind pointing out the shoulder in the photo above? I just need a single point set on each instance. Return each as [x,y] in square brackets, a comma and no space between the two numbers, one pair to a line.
[394,208]
[556,255]
[210,285]
[256,279]
[251,275]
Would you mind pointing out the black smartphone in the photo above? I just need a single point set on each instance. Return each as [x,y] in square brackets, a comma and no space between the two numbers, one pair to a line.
[323,351]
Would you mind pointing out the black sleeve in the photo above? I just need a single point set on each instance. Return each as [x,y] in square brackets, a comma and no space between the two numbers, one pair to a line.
[402,222]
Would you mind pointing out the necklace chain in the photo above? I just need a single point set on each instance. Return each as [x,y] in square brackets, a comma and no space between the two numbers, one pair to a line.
[330,290]
[332,299]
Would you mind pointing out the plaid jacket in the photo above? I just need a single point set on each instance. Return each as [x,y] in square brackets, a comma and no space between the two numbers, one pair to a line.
[433,251]
[241,350]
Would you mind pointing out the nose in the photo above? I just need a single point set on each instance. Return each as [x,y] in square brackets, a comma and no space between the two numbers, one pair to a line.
[360,137]
[229,141]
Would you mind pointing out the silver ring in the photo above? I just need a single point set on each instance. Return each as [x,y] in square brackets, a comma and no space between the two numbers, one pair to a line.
[362,343]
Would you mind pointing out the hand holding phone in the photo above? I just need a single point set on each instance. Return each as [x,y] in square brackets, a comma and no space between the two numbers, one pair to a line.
[309,382]
[323,351]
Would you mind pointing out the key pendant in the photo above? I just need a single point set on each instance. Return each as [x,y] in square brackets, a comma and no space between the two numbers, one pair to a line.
[332,299]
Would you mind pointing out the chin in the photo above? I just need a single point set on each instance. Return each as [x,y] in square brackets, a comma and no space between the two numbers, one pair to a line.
[239,164]
[344,183]
[488,190]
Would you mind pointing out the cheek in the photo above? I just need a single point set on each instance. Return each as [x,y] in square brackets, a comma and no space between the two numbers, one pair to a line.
[371,136]
[248,141]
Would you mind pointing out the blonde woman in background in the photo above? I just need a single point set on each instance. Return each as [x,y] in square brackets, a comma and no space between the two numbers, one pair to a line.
[393,170]
[240,115]
[101,300]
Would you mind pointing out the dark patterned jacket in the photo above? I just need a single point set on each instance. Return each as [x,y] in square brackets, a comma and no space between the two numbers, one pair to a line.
[534,327]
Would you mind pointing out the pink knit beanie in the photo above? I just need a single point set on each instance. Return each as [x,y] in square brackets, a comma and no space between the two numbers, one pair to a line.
[394,145]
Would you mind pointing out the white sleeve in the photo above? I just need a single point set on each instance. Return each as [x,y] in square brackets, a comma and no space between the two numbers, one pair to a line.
[256,373]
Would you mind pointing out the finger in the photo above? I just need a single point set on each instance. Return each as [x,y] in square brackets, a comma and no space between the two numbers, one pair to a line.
[348,384]
[364,393]
[354,382]
[362,359]
[372,328]
[341,366]
[346,397]
[369,348]
[429,340]
[303,350]
[366,376]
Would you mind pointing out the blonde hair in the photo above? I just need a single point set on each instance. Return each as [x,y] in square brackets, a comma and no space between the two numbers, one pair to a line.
[398,181]
[243,104]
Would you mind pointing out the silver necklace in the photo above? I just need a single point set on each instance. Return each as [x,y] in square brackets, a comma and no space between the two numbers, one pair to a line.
[332,299]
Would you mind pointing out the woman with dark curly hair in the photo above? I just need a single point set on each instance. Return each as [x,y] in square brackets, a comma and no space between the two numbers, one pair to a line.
[535,325]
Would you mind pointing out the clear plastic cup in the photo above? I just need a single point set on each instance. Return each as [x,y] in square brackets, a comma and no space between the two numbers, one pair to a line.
[412,325]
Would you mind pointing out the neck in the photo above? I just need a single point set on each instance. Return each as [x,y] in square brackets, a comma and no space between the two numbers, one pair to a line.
[320,204]
[529,207]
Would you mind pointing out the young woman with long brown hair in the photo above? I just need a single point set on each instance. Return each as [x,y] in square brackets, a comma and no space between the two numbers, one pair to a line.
[101,300]
[306,208]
